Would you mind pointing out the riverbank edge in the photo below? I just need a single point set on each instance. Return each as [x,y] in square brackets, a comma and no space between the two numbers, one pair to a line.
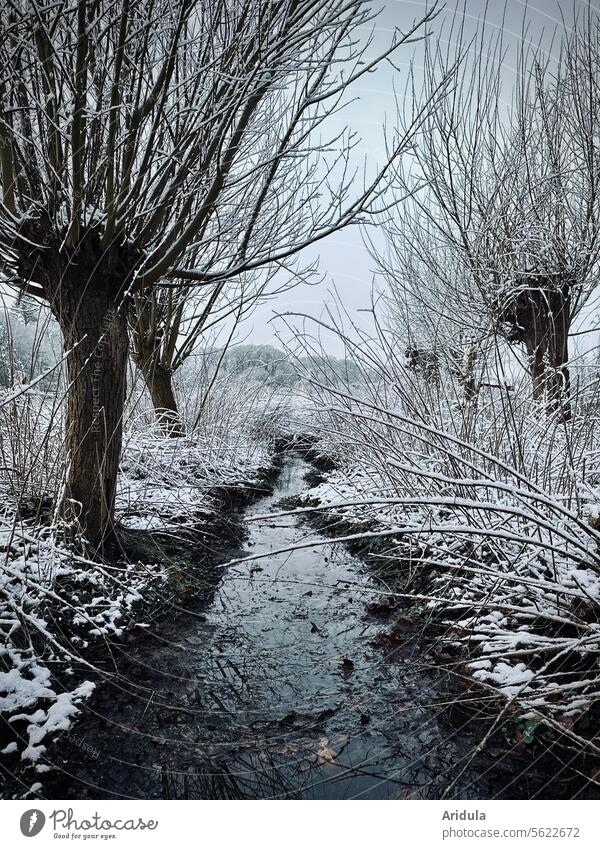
[468,701]
[179,589]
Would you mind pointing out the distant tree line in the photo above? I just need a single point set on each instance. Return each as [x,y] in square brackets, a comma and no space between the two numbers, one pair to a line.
[274,367]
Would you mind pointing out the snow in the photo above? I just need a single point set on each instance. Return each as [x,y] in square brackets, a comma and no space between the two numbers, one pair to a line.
[42,573]
[509,560]
[511,680]
[55,603]
[57,718]
[169,484]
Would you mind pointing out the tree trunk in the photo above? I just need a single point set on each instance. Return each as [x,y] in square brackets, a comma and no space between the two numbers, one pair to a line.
[535,352]
[558,357]
[159,381]
[85,286]
[544,315]
[95,333]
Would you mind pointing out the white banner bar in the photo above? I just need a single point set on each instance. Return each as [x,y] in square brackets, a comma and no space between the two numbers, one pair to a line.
[279,824]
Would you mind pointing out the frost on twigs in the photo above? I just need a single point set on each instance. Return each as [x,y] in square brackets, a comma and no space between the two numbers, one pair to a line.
[504,562]
[172,484]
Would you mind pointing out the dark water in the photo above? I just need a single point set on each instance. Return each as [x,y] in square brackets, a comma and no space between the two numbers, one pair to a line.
[275,690]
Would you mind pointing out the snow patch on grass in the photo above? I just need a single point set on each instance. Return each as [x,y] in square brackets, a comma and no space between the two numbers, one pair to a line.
[506,565]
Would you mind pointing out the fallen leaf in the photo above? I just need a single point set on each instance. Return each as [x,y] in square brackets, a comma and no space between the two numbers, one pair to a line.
[403,624]
[325,753]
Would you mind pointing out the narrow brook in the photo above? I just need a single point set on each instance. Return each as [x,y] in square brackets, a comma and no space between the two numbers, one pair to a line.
[274,689]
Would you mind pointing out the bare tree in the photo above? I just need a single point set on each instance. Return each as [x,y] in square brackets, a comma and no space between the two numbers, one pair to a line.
[266,214]
[129,130]
[509,223]
[549,204]
[167,325]
[424,283]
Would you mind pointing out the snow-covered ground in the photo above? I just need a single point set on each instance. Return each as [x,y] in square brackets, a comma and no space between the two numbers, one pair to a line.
[505,560]
[55,603]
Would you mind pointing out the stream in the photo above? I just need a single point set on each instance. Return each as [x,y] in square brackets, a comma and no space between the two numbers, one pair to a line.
[273,689]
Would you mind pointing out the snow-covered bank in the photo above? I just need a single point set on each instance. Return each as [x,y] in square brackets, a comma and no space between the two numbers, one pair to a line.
[503,564]
[168,484]
[57,605]
[54,605]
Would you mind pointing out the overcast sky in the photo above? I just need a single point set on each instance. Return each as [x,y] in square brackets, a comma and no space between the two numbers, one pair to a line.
[344,261]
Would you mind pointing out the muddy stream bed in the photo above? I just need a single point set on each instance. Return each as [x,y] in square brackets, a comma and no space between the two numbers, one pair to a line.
[273,687]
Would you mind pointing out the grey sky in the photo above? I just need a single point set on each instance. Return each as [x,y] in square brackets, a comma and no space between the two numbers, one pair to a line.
[344,260]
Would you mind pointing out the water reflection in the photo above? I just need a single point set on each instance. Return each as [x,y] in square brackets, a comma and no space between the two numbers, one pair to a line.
[274,690]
